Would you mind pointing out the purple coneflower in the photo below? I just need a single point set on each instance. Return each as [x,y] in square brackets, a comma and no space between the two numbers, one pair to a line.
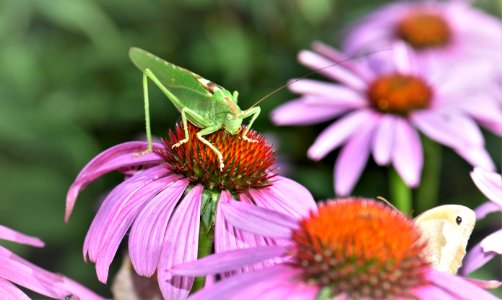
[347,249]
[445,31]
[380,101]
[16,270]
[490,184]
[172,196]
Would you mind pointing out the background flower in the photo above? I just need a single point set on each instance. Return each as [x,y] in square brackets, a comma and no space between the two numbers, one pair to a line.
[171,202]
[348,248]
[380,102]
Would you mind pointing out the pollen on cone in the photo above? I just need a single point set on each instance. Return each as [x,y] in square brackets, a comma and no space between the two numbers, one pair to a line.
[247,164]
[361,248]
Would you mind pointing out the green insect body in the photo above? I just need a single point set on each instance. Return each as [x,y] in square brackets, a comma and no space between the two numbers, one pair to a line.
[200,101]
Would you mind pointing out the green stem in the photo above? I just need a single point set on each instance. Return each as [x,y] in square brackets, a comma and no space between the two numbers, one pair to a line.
[206,238]
[400,193]
[426,196]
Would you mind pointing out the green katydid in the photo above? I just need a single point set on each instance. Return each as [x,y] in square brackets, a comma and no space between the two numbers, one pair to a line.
[203,103]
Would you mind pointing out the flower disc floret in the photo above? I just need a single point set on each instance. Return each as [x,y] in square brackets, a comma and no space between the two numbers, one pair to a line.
[361,248]
[247,163]
[424,30]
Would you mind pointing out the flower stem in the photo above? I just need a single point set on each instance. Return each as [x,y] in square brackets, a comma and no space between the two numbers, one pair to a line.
[426,196]
[400,193]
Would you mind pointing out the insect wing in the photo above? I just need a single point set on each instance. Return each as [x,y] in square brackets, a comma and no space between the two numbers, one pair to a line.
[184,84]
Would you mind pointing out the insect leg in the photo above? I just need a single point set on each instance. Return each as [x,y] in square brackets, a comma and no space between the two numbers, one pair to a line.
[185,127]
[206,131]
[255,112]
[147,116]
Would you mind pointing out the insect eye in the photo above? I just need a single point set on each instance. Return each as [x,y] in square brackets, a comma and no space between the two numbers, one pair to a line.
[458,220]
[229,117]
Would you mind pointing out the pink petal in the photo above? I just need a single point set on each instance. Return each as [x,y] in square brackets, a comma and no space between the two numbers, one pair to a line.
[475,259]
[285,196]
[383,141]
[484,284]
[10,291]
[493,242]
[486,208]
[353,157]
[149,229]
[427,292]
[181,244]
[458,287]
[229,260]
[258,220]
[407,155]
[336,72]
[294,113]
[78,291]
[115,158]
[489,183]
[15,236]
[450,129]
[231,288]
[337,133]
[403,58]
[328,93]
[477,156]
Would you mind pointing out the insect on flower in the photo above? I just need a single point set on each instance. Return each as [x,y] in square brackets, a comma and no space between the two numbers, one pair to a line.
[200,101]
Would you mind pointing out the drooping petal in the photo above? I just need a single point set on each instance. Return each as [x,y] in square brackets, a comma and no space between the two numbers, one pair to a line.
[407,153]
[426,292]
[489,183]
[458,287]
[10,291]
[18,237]
[285,196]
[383,141]
[231,288]
[486,208]
[475,259]
[258,220]
[493,242]
[78,291]
[477,156]
[337,133]
[327,93]
[294,113]
[115,158]
[336,72]
[227,261]
[353,157]
[180,245]
[149,229]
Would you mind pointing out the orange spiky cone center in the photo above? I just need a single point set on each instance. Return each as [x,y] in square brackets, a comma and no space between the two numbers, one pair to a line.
[422,29]
[247,164]
[361,248]
[399,94]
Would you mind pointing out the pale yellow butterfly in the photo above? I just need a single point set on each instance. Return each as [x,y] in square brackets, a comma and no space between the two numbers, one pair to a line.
[446,229]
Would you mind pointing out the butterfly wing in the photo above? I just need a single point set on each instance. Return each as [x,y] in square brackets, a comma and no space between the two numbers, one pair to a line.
[446,229]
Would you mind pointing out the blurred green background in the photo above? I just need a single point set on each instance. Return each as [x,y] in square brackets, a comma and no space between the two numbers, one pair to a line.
[69,91]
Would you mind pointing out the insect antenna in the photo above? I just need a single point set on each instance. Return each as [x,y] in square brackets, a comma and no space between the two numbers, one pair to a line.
[314,72]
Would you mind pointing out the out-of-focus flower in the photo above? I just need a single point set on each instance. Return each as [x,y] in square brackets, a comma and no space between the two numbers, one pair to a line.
[173,195]
[380,102]
[348,249]
[451,33]
[16,270]
[490,184]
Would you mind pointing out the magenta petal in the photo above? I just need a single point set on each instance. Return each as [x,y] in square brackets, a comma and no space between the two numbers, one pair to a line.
[489,183]
[10,291]
[475,259]
[149,229]
[293,113]
[227,261]
[353,157]
[383,141]
[486,208]
[337,133]
[493,242]
[115,158]
[16,236]
[458,287]
[328,93]
[78,291]
[427,292]
[258,220]
[403,58]
[407,153]
[231,288]
[285,196]
[336,72]
[484,284]
[181,244]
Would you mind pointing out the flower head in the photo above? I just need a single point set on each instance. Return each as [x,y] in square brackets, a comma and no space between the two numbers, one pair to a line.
[490,184]
[381,102]
[349,248]
[173,195]
[16,270]
[444,31]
